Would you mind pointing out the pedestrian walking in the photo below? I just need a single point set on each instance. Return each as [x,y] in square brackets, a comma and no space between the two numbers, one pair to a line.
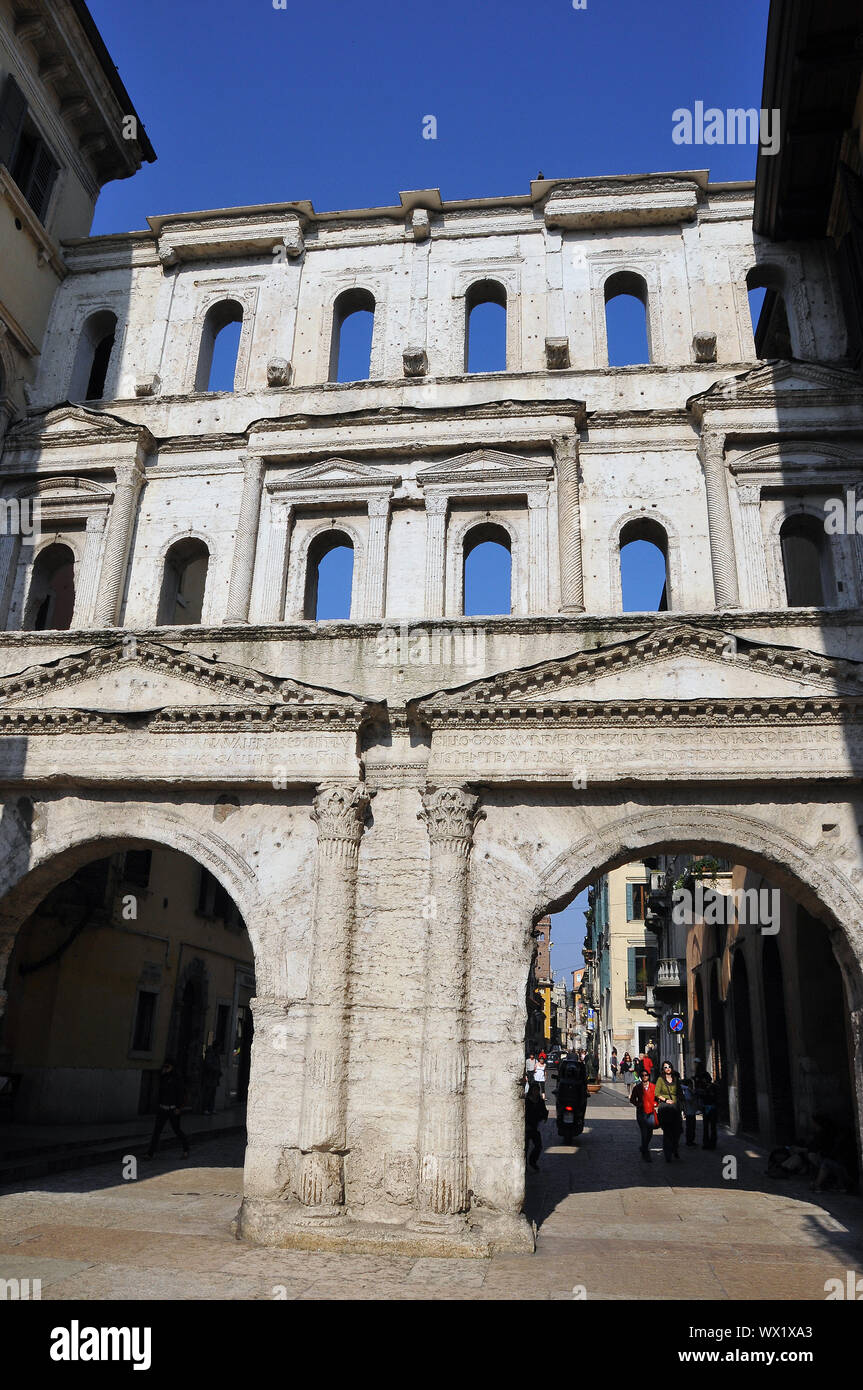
[530,1065]
[535,1112]
[171,1096]
[669,1099]
[212,1075]
[627,1074]
[539,1075]
[690,1108]
[614,1064]
[707,1098]
[643,1097]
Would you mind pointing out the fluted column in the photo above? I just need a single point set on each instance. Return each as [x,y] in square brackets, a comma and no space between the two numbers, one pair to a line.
[569,524]
[752,538]
[339,812]
[375,578]
[450,814]
[118,539]
[711,451]
[87,586]
[245,545]
[436,510]
[537,557]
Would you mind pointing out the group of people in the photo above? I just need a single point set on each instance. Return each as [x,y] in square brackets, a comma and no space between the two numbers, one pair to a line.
[629,1069]
[667,1102]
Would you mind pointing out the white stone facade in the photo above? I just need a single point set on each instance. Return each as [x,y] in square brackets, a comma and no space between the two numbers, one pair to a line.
[409,808]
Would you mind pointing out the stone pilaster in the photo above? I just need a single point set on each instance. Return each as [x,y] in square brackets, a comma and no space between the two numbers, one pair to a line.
[436,510]
[276,561]
[375,574]
[245,545]
[749,497]
[88,579]
[569,524]
[711,451]
[537,556]
[339,812]
[9,551]
[450,814]
[118,539]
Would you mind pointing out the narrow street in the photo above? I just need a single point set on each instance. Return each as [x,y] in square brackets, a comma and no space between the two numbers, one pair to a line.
[609,1225]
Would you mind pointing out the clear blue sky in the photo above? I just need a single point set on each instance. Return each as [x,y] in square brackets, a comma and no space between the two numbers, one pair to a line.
[246,103]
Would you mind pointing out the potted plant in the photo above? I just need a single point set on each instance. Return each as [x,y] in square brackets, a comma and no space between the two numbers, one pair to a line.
[591,1066]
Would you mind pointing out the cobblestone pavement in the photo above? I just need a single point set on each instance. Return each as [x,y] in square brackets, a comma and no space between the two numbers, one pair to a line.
[608,1224]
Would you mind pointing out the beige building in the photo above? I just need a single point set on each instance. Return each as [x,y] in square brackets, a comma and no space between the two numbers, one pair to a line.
[67,127]
[626,961]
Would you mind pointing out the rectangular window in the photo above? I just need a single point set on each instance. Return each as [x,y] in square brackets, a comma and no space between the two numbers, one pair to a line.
[145,1019]
[24,152]
[136,867]
[641,967]
[636,901]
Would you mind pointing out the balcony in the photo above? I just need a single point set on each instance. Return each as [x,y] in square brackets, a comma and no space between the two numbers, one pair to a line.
[670,974]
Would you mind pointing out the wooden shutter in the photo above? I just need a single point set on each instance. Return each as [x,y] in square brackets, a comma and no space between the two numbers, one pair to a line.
[13,112]
[41,180]
[630,901]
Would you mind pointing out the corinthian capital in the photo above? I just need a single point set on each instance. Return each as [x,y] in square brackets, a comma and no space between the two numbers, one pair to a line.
[450,813]
[340,812]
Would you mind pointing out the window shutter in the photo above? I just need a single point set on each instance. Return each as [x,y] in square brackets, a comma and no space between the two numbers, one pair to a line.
[41,181]
[631,970]
[630,903]
[13,111]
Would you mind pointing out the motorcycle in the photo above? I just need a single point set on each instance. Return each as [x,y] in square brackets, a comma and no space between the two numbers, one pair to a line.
[571,1099]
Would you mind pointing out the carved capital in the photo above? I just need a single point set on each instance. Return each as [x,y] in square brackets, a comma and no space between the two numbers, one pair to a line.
[566,454]
[437,503]
[415,361]
[557,354]
[704,347]
[450,814]
[378,506]
[278,372]
[148,385]
[340,812]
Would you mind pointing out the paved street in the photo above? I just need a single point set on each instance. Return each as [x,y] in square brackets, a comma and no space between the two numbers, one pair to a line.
[608,1223]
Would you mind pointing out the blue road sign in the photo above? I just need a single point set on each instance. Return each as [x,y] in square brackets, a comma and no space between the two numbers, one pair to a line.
[676,1024]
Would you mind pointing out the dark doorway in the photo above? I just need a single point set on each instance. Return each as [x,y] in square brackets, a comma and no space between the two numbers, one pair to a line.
[781,1093]
[747,1092]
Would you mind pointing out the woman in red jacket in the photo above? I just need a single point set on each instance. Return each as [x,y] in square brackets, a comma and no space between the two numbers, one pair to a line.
[643,1097]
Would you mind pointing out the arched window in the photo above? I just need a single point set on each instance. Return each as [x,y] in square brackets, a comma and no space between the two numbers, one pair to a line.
[220,344]
[769,315]
[353,328]
[329,576]
[184,583]
[805,562]
[644,566]
[487,571]
[51,598]
[627,326]
[485,327]
[93,356]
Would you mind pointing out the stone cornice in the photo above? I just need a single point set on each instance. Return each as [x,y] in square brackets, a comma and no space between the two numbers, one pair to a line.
[604,713]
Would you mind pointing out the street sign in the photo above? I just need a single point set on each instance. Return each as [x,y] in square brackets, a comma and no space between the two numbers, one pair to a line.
[676,1024]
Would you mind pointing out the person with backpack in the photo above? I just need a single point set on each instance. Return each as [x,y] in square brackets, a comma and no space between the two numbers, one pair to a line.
[643,1097]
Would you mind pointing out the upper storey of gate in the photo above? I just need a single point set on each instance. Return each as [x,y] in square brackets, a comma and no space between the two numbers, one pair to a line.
[143,318]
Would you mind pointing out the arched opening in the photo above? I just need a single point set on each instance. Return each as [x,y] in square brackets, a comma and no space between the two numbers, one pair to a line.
[118,967]
[51,596]
[627,325]
[778,1057]
[485,327]
[644,567]
[353,331]
[767,308]
[805,562]
[329,576]
[220,346]
[93,357]
[184,583]
[487,572]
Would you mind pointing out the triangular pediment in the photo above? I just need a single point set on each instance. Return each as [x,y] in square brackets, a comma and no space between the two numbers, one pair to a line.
[483,465]
[336,472]
[140,677]
[681,663]
[67,423]
[784,379]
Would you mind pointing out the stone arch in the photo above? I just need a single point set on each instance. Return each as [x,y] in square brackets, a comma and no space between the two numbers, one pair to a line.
[31,867]
[787,861]
[840,565]
[299,564]
[673,570]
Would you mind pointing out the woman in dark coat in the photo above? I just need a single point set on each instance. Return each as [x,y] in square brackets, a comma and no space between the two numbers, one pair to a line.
[669,1098]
